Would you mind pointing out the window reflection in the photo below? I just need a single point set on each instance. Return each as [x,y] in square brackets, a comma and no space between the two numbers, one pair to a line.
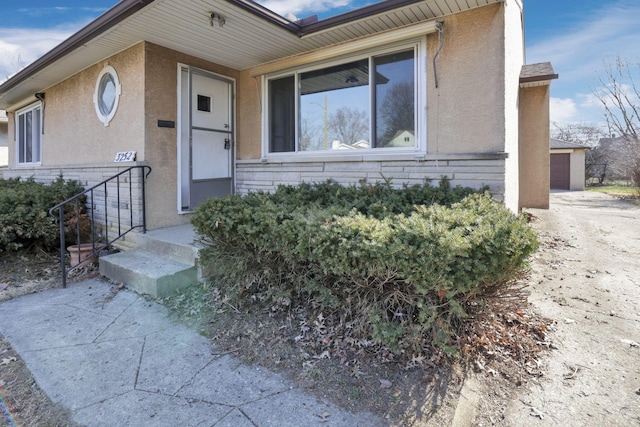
[368,103]
[335,107]
[395,100]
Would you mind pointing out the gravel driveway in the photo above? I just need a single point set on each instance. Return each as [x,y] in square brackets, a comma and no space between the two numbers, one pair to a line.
[587,279]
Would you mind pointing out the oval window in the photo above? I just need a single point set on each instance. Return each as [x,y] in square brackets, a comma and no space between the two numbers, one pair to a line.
[107,94]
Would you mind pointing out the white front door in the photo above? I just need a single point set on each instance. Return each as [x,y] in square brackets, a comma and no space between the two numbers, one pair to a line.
[206,138]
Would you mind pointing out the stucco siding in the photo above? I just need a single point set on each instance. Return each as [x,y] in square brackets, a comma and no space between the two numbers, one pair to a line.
[534,147]
[73,132]
[466,112]
[161,103]
[249,132]
[513,46]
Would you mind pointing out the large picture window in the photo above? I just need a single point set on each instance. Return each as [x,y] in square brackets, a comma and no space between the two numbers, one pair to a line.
[29,134]
[356,104]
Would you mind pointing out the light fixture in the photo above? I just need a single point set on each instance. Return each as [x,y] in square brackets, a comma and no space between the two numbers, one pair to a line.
[352,79]
[216,17]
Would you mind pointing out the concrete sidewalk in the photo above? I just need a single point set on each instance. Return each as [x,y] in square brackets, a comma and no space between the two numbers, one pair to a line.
[116,359]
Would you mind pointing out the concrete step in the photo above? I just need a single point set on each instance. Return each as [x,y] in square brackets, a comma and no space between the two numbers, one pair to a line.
[148,273]
[177,243]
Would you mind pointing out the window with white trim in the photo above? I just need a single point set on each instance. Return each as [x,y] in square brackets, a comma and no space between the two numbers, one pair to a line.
[365,102]
[29,134]
[107,94]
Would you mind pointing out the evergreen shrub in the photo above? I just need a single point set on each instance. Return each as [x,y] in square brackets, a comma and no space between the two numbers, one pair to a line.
[24,212]
[398,265]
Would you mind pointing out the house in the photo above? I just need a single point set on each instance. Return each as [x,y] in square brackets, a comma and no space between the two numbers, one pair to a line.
[567,165]
[337,145]
[212,95]
[403,138]
[4,139]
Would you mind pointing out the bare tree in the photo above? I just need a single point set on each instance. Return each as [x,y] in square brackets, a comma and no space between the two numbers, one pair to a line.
[349,125]
[619,94]
[310,135]
[11,64]
[396,112]
[580,133]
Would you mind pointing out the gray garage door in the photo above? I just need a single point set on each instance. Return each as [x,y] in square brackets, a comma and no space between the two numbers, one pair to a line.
[560,171]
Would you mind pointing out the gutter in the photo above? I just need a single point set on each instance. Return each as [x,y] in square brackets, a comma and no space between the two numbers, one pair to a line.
[107,20]
[354,15]
[301,29]
[266,14]
[538,78]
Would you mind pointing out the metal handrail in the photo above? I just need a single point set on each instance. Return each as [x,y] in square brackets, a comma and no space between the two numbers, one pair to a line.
[77,200]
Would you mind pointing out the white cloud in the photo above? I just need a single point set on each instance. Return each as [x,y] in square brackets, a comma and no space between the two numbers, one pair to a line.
[39,12]
[589,100]
[581,109]
[21,46]
[302,7]
[562,110]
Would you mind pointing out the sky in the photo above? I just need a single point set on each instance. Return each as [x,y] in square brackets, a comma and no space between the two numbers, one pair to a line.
[577,36]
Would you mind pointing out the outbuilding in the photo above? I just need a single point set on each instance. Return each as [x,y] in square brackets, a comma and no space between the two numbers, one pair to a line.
[567,165]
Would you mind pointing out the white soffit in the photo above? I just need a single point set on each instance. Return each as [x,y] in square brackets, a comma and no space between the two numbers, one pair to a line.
[244,41]
[536,84]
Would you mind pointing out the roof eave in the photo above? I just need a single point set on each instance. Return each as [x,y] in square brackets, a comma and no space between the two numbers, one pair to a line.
[324,24]
[537,82]
[354,15]
[534,79]
[267,15]
[110,18]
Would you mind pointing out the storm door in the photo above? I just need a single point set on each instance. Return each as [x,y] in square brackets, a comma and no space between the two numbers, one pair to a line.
[206,137]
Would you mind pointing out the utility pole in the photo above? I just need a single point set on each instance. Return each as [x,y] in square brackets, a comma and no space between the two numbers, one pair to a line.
[326,124]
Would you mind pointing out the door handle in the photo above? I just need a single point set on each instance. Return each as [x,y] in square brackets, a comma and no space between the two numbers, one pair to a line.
[227,144]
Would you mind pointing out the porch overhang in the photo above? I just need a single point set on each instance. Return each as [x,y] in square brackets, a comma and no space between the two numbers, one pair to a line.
[251,35]
[533,75]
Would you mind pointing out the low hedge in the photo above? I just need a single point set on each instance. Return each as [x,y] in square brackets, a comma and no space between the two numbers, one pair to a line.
[24,212]
[398,266]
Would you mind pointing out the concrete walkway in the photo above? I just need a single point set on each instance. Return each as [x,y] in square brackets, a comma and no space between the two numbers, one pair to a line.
[116,359]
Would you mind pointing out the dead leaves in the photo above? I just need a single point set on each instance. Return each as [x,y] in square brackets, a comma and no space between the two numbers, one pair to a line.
[385,383]
[8,360]
[503,340]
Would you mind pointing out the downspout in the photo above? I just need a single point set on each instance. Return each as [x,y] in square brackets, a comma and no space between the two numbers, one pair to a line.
[40,96]
[437,84]
[435,57]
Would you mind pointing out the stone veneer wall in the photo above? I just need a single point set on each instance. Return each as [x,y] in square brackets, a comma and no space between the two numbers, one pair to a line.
[130,204]
[473,171]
